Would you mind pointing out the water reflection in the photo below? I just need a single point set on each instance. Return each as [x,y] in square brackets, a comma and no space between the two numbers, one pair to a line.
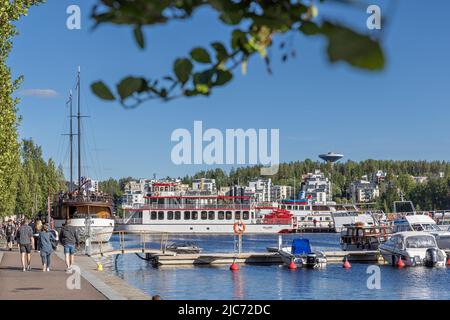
[273,281]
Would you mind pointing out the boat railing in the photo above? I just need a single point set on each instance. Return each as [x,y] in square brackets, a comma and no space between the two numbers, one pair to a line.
[128,220]
[87,198]
[191,206]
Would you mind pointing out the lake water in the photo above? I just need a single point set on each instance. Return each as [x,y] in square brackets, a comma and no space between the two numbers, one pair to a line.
[275,282]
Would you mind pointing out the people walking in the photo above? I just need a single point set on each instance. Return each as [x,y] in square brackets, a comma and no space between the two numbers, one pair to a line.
[70,240]
[10,232]
[46,240]
[25,238]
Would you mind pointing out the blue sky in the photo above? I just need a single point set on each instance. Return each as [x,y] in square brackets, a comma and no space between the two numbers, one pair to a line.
[400,113]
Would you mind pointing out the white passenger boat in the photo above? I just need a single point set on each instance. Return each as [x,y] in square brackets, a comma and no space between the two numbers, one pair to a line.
[414,248]
[204,214]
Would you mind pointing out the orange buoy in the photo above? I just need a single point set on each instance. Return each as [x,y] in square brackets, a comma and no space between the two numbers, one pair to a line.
[346,264]
[292,265]
[400,262]
[448,261]
[234,267]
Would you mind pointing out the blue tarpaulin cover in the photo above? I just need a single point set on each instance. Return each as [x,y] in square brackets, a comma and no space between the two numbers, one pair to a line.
[300,246]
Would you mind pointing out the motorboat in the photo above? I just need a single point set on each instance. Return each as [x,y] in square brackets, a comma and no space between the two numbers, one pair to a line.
[184,248]
[421,221]
[358,236]
[414,248]
[301,255]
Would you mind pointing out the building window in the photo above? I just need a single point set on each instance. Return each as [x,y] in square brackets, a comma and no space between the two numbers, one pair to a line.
[177,215]
[221,215]
[211,215]
[245,215]
[153,215]
[160,215]
[187,215]
[229,215]
[169,215]
[204,215]
[194,215]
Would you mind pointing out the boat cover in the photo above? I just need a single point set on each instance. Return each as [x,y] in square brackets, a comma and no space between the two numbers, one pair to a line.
[300,246]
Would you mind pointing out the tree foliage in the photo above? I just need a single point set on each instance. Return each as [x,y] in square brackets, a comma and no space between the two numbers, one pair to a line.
[255,24]
[10,12]
[38,180]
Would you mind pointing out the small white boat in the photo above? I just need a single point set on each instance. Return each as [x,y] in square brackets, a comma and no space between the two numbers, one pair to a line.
[414,248]
[300,253]
[184,248]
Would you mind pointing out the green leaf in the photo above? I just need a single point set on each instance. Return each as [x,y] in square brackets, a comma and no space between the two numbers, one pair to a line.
[231,17]
[200,55]
[238,39]
[356,49]
[309,28]
[128,86]
[182,69]
[221,51]
[139,37]
[102,91]
[223,76]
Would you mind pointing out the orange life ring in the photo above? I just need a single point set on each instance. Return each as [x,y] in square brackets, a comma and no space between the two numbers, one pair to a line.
[239,227]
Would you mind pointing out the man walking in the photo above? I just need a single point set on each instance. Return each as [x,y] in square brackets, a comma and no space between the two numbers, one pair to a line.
[10,231]
[25,237]
[70,240]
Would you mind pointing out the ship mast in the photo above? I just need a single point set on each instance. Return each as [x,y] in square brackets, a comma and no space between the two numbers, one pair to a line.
[71,143]
[79,130]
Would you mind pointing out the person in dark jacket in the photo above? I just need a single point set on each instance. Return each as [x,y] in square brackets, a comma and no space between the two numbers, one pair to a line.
[70,240]
[46,239]
[10,233]
[24,239]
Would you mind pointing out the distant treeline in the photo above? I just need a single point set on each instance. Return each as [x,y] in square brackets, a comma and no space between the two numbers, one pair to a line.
[431,195]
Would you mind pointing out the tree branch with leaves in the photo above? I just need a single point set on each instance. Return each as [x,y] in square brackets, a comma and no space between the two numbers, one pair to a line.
[256,23]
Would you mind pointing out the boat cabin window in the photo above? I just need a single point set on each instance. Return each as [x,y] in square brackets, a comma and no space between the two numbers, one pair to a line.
[310,218]
[177,215]
[245,215]
[221,215]
[422,241]
[194,215]
[187,215]
[169,215]
[160,215]
[229,215]
[283,206]
[237,215]
[153,215]
[211,215]
[253,215]
[289,207]
[204,215]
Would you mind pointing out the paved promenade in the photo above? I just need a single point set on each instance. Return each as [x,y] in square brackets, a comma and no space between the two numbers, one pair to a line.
[38,285]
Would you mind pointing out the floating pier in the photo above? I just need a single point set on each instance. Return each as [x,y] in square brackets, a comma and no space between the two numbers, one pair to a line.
[254,258]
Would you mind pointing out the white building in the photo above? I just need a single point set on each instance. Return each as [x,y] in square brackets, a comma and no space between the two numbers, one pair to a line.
[317,186]
[364,191]
[204,184]
[281,193]
[262,188]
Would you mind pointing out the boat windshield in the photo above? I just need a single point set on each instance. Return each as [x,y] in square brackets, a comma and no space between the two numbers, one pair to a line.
[424,227]
[416,242]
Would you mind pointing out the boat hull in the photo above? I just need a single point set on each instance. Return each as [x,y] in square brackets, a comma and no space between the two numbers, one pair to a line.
[200,228]
[101,229]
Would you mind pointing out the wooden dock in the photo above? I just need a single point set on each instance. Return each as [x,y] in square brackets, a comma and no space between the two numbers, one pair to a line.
[254,258]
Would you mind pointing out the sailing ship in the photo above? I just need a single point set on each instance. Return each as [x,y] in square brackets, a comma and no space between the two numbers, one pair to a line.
[89,211]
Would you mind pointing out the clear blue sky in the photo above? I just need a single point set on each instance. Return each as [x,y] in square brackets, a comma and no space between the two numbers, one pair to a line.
[401,113]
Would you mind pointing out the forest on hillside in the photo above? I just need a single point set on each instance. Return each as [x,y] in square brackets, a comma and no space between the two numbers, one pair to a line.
[434,194]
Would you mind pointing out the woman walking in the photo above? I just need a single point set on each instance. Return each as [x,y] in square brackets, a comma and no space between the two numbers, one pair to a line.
[46,242]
